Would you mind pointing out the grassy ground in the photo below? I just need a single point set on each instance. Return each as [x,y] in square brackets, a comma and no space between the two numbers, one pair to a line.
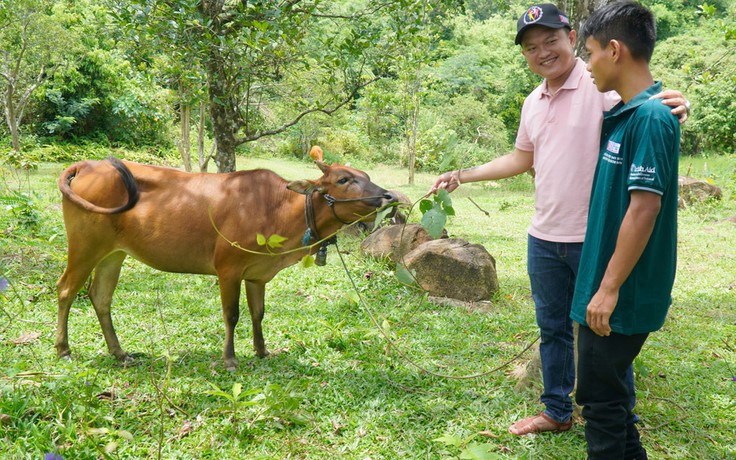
[334,388]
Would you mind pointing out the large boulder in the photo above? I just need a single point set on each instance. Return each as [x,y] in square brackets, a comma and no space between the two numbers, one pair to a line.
[455,268]
[694,191]
[384,243]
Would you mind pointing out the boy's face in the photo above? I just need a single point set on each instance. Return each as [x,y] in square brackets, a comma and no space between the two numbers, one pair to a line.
[600,64]
[550,53]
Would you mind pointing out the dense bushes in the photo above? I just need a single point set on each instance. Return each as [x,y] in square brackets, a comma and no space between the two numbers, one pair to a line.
[469,90]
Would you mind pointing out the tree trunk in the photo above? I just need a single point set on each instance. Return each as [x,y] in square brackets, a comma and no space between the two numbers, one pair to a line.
[579,11]
[412,141]
[226,143]
[184,144]
[204,159]
[223,124]
[222,106]
[10,117]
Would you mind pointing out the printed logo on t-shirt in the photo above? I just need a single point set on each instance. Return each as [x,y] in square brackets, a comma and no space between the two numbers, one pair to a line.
[611,154]
[642,173]
[613,147]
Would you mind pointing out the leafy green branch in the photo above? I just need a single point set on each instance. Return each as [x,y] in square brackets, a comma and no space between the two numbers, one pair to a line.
[271,403]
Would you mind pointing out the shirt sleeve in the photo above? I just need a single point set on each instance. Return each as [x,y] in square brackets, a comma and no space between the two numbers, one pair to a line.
[523,140]
[653,137]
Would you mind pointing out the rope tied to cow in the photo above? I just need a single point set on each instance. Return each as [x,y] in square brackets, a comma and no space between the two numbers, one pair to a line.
[311,232]
[404,355]
[332,239]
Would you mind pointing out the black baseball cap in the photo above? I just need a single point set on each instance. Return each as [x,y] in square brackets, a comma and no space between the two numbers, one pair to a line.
[545,14]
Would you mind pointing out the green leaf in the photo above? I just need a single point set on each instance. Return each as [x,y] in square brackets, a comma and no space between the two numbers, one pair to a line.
[307,261]
[381,215]
[353,297]
[111,447]
[479,452]
[425,205]
[443,198]
[274,241]
[449,440]
[237,389]
[125,434]
[433,222]
[260,239]
[297,418]
[405,276]
[216,391]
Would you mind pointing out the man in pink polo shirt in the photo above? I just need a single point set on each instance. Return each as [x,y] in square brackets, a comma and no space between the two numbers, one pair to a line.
[559,135]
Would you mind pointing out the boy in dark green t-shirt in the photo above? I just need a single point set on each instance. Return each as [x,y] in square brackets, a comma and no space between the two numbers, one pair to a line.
[627,267]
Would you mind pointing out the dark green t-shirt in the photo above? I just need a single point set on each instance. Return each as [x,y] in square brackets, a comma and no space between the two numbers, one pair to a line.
[640,145]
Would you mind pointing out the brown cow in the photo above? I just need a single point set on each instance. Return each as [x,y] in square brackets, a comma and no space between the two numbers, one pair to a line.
[170,219]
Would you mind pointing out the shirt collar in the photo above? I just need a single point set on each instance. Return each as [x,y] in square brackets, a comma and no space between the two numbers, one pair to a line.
[572,82]
[638,100]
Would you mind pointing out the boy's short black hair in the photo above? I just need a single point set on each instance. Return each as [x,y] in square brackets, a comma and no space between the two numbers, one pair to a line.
[628,22]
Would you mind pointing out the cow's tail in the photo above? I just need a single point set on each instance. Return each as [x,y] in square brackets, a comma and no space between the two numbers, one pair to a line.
[131,186]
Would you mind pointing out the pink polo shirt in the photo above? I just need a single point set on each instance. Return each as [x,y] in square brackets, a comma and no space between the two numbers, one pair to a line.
[563,130]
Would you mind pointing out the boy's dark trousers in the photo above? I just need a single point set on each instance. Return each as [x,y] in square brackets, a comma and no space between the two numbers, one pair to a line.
[609,423]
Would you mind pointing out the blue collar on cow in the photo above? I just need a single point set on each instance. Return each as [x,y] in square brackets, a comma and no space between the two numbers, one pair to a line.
[311,233]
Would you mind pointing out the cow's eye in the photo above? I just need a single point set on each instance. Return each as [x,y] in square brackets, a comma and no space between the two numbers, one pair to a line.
[343,181]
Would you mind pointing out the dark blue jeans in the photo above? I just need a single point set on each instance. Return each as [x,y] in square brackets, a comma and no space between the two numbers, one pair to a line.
[604,364]
[553,268]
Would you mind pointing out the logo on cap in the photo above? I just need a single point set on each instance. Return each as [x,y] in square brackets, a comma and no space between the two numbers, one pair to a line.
[533,15]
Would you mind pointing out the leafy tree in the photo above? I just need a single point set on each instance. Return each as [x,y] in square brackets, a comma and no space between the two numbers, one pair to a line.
[316,55]
[702,65]
[34,42]
[98,93]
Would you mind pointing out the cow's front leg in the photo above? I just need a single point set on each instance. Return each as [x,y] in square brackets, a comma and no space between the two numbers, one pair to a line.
[256,294]
[230,296]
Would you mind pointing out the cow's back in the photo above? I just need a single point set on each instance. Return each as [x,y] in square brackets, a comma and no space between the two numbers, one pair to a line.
[175,223]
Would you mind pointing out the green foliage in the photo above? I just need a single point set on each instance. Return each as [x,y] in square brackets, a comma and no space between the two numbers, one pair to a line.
[433,146]
[272,242]
[703,67]
[450,89]
[19,213]
[102,95]
[272,403]
[468,449]
[435,213]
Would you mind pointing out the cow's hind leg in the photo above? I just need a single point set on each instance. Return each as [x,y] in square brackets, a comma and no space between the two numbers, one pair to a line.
[256,293]
[230,296]
[104,283]
[76,273]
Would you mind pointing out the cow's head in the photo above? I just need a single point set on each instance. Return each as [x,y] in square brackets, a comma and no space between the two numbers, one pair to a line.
[349,191]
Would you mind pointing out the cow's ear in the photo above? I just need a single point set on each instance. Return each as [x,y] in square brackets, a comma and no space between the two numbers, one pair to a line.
[302,186]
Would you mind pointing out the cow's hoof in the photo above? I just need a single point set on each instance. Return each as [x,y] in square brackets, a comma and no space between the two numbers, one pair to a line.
[231,365]
[129,359]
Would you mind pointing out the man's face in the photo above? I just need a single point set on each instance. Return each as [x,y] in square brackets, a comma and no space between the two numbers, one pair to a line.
[599,64]
[549,52]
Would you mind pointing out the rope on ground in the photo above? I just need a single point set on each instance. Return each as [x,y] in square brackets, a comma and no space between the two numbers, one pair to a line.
[404,356]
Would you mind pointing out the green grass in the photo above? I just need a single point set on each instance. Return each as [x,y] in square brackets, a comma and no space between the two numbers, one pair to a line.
[335,388]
